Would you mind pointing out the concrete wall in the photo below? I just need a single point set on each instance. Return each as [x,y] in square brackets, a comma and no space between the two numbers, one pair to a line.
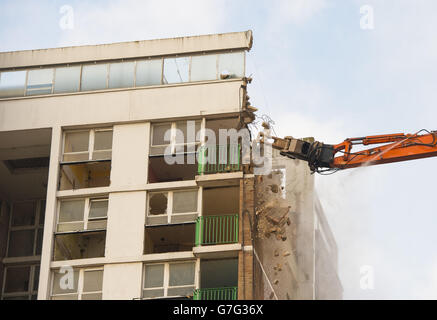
[118,106]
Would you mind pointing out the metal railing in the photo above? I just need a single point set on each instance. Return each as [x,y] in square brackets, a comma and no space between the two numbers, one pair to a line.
[230,293]
[219,158]
[212,230]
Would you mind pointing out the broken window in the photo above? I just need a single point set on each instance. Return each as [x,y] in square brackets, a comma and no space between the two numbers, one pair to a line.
[67,79]
[169,280]
[12,84]
[86,159]
[231,65]
[81,284]
[81,229]
[149,72]
[204,67]
[94,77]
[39,81]
[21,282]
[80,245]
[121,75]
[169,238]
[26,229]
[176,70]
[172,207]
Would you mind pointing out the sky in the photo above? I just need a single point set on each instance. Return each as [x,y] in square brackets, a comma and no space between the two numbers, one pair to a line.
[317,73]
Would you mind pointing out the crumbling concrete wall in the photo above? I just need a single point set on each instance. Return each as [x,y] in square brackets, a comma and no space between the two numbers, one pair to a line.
[284,240]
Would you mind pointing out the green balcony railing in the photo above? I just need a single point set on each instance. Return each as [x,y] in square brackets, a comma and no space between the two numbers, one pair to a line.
[212,230]
[219,159]
[216,294]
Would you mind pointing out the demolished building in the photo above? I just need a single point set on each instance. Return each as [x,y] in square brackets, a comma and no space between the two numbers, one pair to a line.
[86,188]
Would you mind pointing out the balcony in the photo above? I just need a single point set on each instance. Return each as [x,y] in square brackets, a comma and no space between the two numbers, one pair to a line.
[219,159]
[216,230]
[230,293]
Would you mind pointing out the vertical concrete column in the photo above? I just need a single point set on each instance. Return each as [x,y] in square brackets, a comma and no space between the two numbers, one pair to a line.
[50,214]
[245,257]
[126,212]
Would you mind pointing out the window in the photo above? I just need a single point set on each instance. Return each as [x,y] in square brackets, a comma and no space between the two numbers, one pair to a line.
[12,84]
[87,145]
[39,81]
[67,79]
[82,214]
[176,137]
[21,282]
[149,72]
[169,280]
[171,207]
[204,68]
[81,228]
[94,77]
[86,285]
[26,229]
[231,65]
[135,73]
[176,70]
[121,75]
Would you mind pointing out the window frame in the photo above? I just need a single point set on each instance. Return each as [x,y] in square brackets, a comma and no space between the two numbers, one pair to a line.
[170,214]
[91,140]
[166,279]
[36,227]
[86,219]
[31,291]
[173,127]
[80,283]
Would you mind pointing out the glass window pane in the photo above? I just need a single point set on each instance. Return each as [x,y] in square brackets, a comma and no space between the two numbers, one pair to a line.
[65,282]
[91,296]
[39,82]
[67,79]
[204,67]
[154,276]
[66,297]
[12,84]
[121,75]
[17,279]
[76,141]
[71,210]
[98,209]
[21,243]
[93,281]
[36,279]
[94,77]
[231,65]
[185,201]
[158,204]
[103,140]
[181,274]
[42,213]
[148,294]
[189,130]
[24,214]
[39,237]
[160,132]
[149,72]
[176,70]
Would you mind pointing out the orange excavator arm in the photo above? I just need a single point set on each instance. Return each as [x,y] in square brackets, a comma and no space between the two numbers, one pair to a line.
[392,148]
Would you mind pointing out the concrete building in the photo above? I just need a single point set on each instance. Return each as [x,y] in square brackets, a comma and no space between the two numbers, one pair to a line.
[90,208]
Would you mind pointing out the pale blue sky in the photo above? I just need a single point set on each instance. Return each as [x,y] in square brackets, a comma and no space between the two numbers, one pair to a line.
[316,73]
